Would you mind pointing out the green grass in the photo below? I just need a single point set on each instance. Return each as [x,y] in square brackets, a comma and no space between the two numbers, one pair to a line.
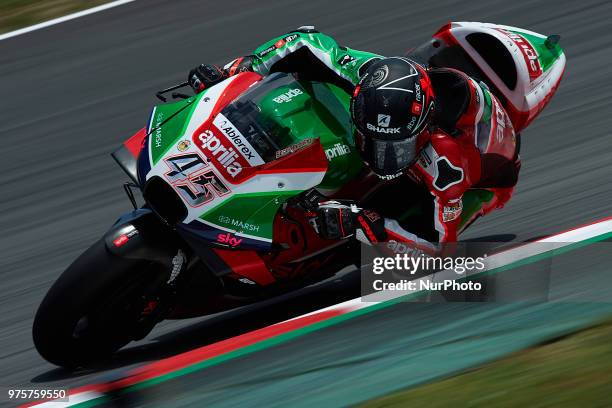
[15,14]
[574,371]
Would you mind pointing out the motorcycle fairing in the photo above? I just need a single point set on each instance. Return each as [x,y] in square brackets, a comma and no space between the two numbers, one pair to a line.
[127,154]
[238,208]
[524,68]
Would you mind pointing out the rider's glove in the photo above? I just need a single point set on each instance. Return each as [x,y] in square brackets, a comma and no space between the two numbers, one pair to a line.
[336,220]
[370,227]
[205,76]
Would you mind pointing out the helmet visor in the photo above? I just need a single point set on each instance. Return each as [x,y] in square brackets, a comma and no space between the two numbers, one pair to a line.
[392,156]
[387,157]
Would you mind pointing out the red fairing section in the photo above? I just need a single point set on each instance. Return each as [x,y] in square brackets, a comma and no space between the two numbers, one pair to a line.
[240,83]
[248,264]
[135,143]
[445,35]
[309,159]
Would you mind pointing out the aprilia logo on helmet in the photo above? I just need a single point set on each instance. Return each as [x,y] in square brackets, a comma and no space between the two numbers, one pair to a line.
[379,129]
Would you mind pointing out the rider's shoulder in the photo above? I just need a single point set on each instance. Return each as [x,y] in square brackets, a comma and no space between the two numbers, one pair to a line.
[457,150]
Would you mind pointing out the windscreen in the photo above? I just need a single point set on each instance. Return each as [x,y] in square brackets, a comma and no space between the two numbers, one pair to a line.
[256,127]
[261,115]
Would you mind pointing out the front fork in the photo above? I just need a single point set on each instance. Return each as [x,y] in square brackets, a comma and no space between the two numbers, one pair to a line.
[140,235]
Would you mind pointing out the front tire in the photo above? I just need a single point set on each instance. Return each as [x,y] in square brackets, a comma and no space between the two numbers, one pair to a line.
[94,308]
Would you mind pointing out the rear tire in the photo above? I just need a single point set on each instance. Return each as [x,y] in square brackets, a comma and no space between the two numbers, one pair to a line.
[93,308]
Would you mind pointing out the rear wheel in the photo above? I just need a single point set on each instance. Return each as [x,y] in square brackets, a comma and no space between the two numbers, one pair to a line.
[99,304]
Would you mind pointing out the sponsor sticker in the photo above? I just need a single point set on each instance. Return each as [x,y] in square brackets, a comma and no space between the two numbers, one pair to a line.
[337,150]
[221,153]
[530,55]
[240,143]
[452,210]
[266,51]
[402,248]
[293,148]
[345,59]
[380,129]
[122,239]
[238,224]
[500,122]
[288,96]
[291,37]
[158,132]
[227,149]
[424,159]
[384,120]
[229,239]
[183,145]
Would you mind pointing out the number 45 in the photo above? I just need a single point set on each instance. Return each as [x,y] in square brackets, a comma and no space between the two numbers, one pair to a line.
[196,187]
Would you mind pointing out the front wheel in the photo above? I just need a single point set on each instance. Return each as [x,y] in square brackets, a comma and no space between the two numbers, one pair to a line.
[99,304]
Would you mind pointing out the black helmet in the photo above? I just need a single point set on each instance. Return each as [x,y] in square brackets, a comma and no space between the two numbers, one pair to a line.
[391,107]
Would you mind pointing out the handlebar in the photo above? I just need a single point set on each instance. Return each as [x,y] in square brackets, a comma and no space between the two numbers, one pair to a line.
[175,95]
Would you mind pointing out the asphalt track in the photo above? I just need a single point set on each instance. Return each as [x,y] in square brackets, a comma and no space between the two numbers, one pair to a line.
[71,93]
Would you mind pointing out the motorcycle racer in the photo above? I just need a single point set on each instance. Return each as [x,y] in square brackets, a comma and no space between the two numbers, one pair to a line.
[436,129]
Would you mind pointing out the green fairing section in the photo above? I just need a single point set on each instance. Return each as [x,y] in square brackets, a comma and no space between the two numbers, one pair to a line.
[318,113]
[250,214]
[171,128]
[342,60]
[546,56]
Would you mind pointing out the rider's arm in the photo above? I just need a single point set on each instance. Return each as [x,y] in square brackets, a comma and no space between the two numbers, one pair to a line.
[448,167]
[337,220]
[310,54]
[443,228]
[391,230]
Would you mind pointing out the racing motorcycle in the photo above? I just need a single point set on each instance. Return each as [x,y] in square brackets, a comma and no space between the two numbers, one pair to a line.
[227,177]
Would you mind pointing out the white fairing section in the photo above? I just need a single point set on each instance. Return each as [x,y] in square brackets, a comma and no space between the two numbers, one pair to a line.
[529,93]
